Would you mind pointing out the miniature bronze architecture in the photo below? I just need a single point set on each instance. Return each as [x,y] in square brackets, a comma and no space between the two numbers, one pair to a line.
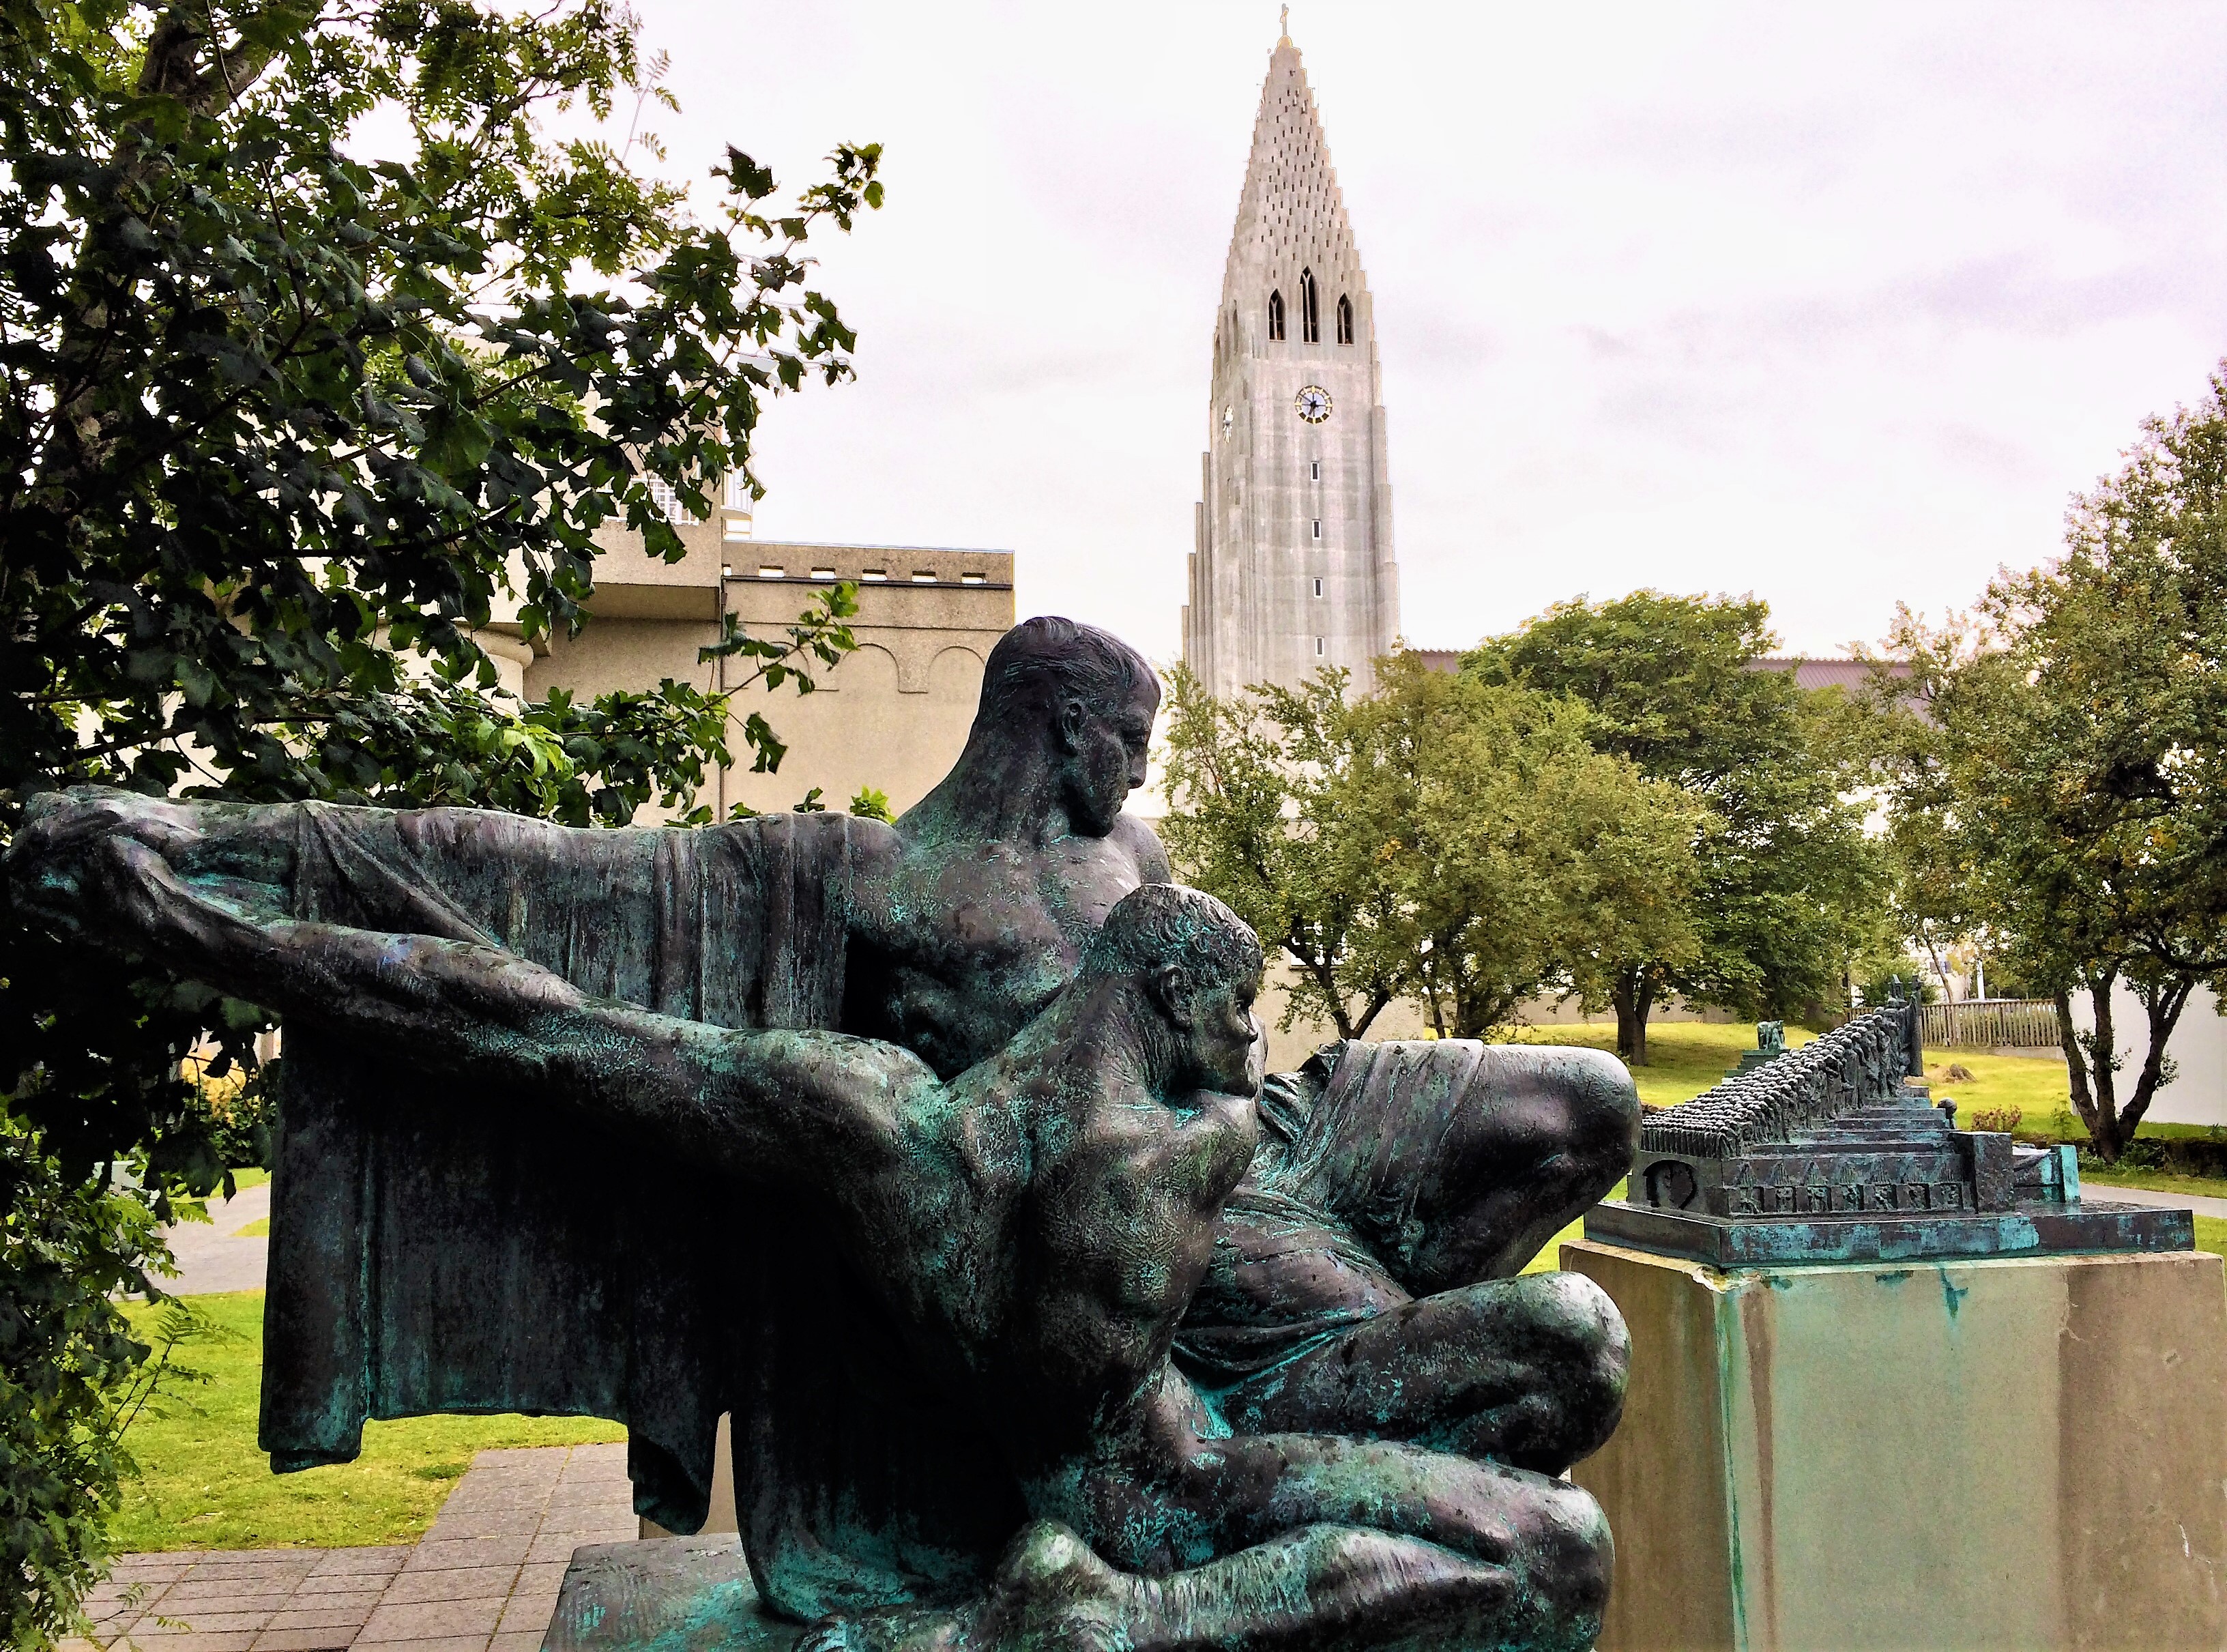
[1836,1152]
[939,1157]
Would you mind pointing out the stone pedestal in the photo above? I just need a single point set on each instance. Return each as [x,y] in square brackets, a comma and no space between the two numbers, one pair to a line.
[2014,1452]
[664,1594]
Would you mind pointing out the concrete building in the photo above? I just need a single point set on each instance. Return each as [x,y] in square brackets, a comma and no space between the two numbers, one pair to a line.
[1293,568]
[892,716]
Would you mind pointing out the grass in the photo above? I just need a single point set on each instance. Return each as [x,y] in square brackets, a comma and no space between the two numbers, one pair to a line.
[203,1484]
[1684,1057]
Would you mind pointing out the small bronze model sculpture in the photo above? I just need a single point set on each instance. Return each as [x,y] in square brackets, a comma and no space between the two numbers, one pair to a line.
[1837,1152]
[937,1155]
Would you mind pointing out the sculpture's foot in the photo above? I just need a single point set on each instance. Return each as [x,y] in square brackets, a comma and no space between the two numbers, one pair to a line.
[1324,1589]
[1050,1594]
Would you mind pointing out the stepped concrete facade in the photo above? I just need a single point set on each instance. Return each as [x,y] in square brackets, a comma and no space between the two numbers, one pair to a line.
[1293,568]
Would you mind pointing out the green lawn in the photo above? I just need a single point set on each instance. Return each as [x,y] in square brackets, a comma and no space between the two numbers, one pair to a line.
[1684,1057]
[204,1485]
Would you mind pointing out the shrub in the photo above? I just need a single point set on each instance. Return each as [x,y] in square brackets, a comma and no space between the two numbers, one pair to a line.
[233,1110]
[2002,1119]
[68,1365]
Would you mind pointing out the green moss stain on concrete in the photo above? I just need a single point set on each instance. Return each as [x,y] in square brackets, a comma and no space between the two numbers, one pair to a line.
[1952,1294]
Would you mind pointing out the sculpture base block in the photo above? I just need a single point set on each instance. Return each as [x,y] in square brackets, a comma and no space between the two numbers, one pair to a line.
[2014,1451]
[2025,1229]
[664,1594]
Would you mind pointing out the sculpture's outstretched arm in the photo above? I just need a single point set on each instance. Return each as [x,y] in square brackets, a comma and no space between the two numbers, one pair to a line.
[409,870]
[792,1105]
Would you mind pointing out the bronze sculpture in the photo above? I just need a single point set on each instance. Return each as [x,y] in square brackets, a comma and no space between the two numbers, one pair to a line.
[939,1163]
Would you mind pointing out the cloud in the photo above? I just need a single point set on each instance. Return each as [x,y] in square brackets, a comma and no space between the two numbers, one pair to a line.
[1839,307]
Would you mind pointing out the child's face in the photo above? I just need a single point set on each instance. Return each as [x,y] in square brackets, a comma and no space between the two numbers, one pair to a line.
[1227,1044]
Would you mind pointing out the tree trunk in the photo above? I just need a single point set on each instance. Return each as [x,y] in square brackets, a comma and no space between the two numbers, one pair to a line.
[1940,969]
[2091,1063]
[1377,1000]
[2163,1006]
[1634,996]
[1325,978]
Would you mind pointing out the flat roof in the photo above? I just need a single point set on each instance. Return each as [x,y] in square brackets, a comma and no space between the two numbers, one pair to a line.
[861,544]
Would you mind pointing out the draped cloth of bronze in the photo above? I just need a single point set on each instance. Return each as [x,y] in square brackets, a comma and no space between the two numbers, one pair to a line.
[438,1252]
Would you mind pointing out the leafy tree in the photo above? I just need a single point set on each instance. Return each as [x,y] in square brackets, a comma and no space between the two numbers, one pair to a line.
[1788,886]
[1440,839]
[283,425]
[2073,779]
[1258,784]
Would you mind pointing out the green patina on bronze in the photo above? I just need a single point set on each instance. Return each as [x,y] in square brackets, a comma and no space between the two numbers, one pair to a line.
[939,1156]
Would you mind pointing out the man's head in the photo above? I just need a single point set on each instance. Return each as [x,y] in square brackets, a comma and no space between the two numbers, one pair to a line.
[1198,966]
[1088,697]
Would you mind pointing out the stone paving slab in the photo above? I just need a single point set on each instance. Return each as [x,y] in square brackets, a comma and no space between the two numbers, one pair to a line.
[2201,1204]
[484,1578]
[214,1255]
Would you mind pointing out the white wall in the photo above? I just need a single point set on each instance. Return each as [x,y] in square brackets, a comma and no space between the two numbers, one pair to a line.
[2198,1045]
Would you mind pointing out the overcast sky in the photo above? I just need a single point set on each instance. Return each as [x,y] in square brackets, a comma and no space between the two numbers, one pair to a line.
[1836,307]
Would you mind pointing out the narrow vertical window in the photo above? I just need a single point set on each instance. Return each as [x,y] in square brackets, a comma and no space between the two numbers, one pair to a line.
[1345,319]
[1317,587]
[1318,647]
[1318,528]
[1275,314]
[1314,470]
[1310,318]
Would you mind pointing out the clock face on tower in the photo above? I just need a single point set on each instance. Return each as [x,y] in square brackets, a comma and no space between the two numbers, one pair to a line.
[1313,404]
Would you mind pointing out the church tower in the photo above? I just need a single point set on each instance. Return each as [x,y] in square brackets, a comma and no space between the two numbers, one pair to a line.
[1293,567]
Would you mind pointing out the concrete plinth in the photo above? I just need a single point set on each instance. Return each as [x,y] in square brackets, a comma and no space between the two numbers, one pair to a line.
[664,1594]
[2014,1452]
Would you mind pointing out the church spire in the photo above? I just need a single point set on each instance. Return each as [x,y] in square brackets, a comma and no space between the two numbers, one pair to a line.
[1291,215]
[1293,570]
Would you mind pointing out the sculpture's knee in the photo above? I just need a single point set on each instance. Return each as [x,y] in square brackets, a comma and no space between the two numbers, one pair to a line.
[1584,1360]
[1604,1119]
[1599,1367]
[1567,1556]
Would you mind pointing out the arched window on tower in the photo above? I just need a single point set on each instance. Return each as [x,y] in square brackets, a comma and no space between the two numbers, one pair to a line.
[1310,316]
[1275,314]
[1345,319]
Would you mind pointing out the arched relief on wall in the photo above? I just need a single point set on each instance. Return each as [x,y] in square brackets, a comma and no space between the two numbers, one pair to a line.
[919,655]
[955,677]
[868,668]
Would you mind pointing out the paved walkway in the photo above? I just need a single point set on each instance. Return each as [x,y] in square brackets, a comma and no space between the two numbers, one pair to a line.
[483,1579]
[211,1255]
[2100,1194]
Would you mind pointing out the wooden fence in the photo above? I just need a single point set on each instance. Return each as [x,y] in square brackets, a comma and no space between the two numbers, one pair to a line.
[1988,1024]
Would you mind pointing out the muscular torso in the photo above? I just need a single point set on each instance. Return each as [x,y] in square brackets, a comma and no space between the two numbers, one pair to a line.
[1056,1217]
[1120,1227]
[956,947]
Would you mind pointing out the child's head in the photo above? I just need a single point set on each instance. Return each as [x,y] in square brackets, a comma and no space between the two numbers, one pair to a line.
[1199,964]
